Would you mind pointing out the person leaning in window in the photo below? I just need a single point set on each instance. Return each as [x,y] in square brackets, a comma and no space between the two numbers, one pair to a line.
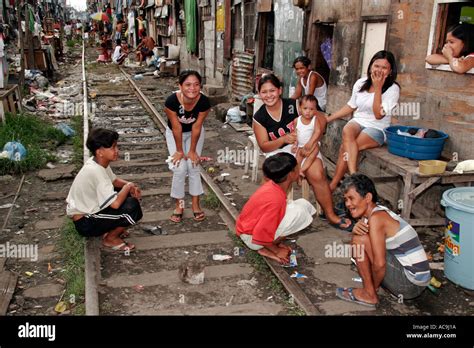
[186,110]
[372,101]
[458,51]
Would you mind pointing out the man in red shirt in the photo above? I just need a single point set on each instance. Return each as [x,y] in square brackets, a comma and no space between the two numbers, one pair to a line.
[267,218]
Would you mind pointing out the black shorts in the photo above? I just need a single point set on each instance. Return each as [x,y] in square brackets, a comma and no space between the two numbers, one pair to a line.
[108,219]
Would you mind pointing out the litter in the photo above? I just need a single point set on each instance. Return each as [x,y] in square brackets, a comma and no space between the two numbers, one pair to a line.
[16,151]
[156,230]
[139,288]
[205,159]
[251,282]
[186,252]
[230,301]
[245,177]
[298,275]
[357,279]
[211,170]
[8,205]
[218,257]
[67,130]
[228,194]
[225,174]
[20,232]
[269,298]
[293,261]
[435,282]
[432,289]
[138,77]
[437,266]
[196,252]
[60,307]
[29,274]
[233,204]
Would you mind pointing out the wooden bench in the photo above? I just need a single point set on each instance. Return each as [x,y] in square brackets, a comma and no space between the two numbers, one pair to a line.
[10,101]
[414,183]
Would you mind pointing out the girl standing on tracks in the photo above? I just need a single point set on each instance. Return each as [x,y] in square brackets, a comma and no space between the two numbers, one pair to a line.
[93,202]
[186,110]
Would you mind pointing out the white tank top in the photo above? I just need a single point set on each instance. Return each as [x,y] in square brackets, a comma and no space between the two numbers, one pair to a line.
[319,92]
[304,131]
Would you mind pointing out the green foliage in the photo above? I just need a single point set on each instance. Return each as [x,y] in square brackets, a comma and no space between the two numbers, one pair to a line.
[78,141]
[71,245]
[37,136]
[211,201]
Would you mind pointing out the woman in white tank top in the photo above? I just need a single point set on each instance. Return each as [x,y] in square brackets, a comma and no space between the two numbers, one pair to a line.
[314,85]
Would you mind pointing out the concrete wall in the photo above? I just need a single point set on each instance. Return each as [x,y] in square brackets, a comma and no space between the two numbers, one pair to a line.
[288,38]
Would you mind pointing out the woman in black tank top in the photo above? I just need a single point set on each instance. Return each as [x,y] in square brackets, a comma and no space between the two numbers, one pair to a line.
[274,131]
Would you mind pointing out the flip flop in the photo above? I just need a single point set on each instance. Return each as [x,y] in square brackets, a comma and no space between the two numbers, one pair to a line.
[125,235]
[199,215]
[120,247]
[340,223]
[352,298]
[176,217]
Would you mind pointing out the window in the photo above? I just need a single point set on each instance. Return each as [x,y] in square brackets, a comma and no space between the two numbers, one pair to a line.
[445,14]
[373,40]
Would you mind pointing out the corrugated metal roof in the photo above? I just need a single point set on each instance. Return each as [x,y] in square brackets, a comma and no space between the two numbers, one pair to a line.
[242,74]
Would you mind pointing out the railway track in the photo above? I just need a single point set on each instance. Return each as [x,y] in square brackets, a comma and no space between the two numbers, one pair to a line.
[149,281]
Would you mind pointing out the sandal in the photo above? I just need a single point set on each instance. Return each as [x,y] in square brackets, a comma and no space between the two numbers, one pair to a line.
[341,222]
[120,247]
[176,217]
[340,293]
[199,215]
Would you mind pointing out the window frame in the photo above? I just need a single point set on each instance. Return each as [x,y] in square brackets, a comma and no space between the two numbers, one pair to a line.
[431,40]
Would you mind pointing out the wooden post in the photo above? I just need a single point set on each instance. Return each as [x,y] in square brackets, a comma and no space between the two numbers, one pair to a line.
[22,48]
[29,40]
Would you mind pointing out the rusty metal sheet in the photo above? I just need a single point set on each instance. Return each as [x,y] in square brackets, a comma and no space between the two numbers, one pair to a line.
[242,74]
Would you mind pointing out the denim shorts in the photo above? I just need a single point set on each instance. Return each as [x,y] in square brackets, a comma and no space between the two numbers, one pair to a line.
[396,281]
[374,133]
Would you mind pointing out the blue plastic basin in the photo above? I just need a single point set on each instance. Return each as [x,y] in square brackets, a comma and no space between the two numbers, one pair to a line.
[413,147]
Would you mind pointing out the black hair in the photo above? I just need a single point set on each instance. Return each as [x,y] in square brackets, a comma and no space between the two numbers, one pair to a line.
[465,33]
[390,80]
[143,33]
[186,73]
[362,184]
[118,42]
[275,81]
[277,167]
[100,137]
[309,98]
[303,60]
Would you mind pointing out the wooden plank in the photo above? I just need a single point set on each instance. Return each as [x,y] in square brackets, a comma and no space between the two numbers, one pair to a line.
[153,216]
[419,189]
[181,240]
[141,135]
[406,200]
[92,275]
[427,222]
[144,176]
[137,163]
[170,277]
[7,288]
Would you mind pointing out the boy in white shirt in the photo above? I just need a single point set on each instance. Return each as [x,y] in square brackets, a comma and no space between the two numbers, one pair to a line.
[94,205]
[120,53]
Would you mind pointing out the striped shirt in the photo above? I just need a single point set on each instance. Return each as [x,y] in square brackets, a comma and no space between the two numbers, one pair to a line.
[92,189]
[406,247]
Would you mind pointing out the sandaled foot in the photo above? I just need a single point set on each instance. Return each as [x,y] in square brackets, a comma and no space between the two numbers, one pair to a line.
[344,224]
[199,215]
[125,235]
[124,246]
[176,217]
[347,294]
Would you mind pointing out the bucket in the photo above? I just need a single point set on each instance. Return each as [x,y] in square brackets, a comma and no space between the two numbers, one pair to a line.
[459,236]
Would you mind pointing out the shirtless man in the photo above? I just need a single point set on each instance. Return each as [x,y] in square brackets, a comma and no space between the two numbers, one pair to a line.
[145,48]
